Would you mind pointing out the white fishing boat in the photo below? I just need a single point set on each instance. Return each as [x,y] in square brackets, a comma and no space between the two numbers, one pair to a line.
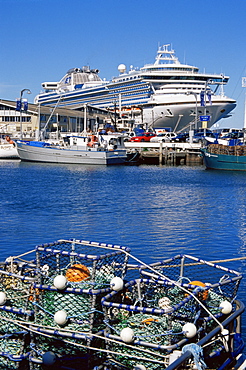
[87,149]
[8,148]
[163,94]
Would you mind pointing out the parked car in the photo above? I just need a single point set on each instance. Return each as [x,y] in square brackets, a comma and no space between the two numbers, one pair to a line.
[143,137]
[199,137]
[163,137]
[181,138]
[233,135]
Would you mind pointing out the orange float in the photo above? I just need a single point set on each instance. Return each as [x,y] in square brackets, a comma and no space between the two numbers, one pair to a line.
[77,272]
[149,321]
[92,141]
[203,295]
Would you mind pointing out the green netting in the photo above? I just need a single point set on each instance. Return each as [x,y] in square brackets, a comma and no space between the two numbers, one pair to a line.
[103,263]
[13,348]
[83,310]
[129,357]
[16,282]
[185,269]
[8,321]
[6,364]
[77,306]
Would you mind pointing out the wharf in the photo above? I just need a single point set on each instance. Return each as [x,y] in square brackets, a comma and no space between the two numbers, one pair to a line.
[167,153]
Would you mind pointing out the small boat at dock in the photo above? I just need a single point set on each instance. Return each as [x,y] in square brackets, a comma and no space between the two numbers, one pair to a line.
[225,157]
[8,148]
[77,149]
[77,304]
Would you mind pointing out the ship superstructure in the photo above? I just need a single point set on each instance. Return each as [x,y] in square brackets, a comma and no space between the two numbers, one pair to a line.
[167,93]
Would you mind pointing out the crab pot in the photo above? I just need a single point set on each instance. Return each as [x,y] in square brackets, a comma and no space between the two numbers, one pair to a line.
[16,285]
[73,276]
[186,269]
[89,265]
[16,308]
[14,337]
[73,311]
[156,313]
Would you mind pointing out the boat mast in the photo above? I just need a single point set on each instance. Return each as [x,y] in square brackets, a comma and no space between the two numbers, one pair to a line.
[244,85]
[244,124]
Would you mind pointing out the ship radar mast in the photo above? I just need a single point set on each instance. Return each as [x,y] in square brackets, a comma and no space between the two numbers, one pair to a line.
[166,55]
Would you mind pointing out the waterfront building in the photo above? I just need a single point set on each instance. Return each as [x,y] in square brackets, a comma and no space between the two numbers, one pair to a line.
[36,117]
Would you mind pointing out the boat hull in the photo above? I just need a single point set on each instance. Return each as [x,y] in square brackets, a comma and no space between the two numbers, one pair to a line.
[49,154]
[8,151]
[224,161]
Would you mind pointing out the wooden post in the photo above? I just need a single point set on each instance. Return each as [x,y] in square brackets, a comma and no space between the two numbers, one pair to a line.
[166,155]
[160,153]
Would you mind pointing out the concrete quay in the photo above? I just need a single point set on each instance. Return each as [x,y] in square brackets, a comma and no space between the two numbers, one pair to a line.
[167,153]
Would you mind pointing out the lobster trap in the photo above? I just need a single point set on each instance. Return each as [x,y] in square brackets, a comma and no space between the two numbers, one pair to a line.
[86,270]
[16,309]
[156,312]
[186,269]
[162,309]
[88,265]
[14,336]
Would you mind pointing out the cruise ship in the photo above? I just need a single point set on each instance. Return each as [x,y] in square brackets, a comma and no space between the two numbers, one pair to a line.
[164,94]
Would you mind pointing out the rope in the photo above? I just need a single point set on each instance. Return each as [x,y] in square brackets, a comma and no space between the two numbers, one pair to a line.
[197,353]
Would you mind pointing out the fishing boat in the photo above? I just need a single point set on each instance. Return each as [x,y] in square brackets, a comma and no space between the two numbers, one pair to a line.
[8,149]
[225,157]
[77,304]
[85,149]
[163,94]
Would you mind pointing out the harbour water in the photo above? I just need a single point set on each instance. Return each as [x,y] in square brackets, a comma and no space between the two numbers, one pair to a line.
[157,211]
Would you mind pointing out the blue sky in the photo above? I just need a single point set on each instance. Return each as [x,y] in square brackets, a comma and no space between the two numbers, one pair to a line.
[42,39]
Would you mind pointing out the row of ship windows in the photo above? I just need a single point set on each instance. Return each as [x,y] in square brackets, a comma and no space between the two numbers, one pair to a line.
[110,101]
[173,78]
[133,85]
[188,78]
[126,90]
[128,78]
[114,94]
[171,69]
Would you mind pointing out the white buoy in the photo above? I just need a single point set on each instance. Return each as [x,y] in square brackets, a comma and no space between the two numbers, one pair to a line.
[164,302]
[49,358]
[116,284]
[127,335]
[225,333]
[60,282]
[139,367]
[189,330]
[60,317]
[3,298]
[225,307]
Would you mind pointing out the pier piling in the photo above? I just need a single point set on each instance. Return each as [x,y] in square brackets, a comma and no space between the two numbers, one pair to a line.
[173,154]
